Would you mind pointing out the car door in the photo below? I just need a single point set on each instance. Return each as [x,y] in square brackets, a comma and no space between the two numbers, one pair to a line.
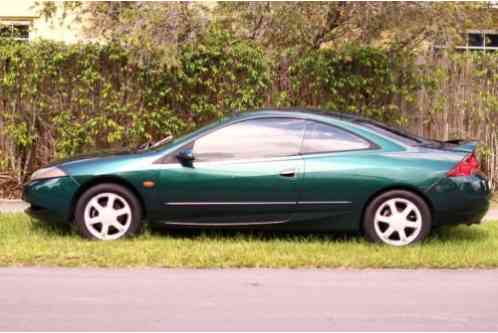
[336,173]
[243,173]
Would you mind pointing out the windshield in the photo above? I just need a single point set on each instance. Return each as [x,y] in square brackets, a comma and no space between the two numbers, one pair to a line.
[186,137]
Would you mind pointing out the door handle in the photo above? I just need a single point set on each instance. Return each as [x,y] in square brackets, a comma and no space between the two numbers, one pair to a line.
[288,173]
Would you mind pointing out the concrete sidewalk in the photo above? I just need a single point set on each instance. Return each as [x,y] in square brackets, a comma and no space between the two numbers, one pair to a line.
[492,215]
[12,206]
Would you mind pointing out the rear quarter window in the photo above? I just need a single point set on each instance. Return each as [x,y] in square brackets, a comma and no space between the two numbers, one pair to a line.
[323,138]
[406,139]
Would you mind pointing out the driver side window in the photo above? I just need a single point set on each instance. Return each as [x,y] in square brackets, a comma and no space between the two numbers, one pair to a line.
[256,138]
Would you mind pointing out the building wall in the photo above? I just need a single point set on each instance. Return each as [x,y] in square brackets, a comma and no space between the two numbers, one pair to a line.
[24,12]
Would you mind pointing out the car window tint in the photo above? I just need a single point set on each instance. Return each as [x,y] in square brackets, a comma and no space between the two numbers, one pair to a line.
[257,138]
[322,138]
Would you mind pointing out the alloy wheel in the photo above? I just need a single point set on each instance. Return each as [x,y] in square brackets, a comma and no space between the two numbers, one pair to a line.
[398,221]
[107,216]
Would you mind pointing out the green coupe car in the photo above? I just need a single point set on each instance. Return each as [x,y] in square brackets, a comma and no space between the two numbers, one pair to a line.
[299,170]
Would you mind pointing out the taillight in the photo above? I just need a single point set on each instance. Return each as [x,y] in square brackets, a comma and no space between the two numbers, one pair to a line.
[466,167]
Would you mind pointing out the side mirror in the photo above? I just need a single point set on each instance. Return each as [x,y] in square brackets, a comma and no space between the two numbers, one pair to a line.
[186,157]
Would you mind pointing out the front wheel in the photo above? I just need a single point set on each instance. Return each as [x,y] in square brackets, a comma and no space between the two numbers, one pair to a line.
[108,212]
[397,218]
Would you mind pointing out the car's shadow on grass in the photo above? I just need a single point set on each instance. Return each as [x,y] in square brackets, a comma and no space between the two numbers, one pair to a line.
[441,234]
[462,233]
[252,234]
[51,228]
[454,234]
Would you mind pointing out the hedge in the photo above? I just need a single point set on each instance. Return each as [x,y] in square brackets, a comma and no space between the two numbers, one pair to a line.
[64,99]
[58,100]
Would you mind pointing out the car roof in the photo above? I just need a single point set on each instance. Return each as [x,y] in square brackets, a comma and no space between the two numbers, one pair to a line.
[326,116]
[311,113]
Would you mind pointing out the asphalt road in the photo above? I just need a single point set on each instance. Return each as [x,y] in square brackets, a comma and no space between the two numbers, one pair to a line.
[247,299]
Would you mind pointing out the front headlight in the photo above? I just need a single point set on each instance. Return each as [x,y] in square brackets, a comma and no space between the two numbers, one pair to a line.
[51,172]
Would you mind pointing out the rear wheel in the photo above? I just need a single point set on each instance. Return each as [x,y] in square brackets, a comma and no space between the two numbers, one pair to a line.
[108,212]
[397,218]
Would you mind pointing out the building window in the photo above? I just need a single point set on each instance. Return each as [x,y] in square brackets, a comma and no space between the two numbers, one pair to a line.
[480,41]
[18,31]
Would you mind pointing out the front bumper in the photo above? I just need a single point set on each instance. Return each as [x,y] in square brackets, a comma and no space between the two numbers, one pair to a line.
[51,198]
[460,200]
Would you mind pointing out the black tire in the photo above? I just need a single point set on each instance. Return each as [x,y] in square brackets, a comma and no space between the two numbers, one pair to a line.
[368,225]
[136,224]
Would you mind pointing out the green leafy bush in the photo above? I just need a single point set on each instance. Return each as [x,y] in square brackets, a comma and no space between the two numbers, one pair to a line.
[360,80]
[58,100]
[223,74]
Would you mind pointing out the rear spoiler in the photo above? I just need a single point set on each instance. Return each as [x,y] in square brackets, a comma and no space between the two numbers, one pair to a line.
[467,146]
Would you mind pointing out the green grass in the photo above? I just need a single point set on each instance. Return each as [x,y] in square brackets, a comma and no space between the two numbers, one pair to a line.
[25,242]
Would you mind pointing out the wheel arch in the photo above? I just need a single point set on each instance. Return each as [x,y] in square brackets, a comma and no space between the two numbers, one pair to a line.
[407,188]
[109,180]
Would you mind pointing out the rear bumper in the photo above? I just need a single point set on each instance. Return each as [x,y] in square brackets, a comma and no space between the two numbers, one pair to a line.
[460,200]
